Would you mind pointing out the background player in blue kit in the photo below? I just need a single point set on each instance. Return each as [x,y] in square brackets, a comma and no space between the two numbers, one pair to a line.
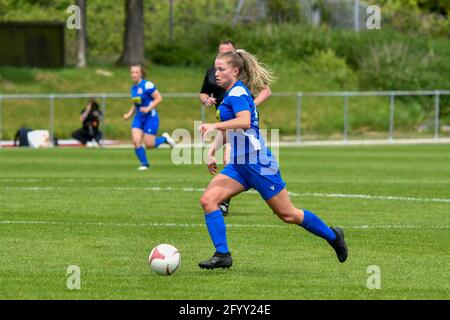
[145,124]
[251,164]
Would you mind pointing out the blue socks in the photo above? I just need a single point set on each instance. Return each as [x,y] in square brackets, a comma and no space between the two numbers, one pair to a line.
[140,153]
[159,141]
[218,233]
[313,224]
[217,230]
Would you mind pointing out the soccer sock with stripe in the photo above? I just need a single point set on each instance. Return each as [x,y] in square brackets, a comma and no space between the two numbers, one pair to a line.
[313,224]
[217,230]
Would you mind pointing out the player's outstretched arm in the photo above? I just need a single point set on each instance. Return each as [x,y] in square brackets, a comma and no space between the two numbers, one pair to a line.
[129,114]
[263,95]
[242,121]
[218,143]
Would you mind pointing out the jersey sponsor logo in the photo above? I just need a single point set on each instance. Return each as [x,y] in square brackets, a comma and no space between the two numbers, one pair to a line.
[136,100]
[218,114]
[140,91]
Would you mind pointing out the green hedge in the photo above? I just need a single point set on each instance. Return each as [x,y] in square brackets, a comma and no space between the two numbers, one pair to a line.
[383,59]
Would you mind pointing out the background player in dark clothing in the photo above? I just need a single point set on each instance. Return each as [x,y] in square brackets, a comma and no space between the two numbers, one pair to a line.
[90,117]
[212,94]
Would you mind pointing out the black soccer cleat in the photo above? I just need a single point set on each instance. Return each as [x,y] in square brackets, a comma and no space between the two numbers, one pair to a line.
[339,244]
[218,260]
[224,207]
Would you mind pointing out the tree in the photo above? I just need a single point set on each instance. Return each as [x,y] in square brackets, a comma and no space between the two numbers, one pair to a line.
[133,41]
[437,6]
[82,35]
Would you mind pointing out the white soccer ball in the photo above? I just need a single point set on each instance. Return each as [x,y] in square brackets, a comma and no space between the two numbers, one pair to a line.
[164,259]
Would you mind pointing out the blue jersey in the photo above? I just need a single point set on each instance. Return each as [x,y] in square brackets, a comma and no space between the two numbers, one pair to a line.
[141,95]
[243,142]
[251,163]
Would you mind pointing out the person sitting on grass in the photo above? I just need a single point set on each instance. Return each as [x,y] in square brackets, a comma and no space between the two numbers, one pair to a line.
[90,134]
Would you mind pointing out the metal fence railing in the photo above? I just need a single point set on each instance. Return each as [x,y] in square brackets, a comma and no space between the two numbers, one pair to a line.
[298,107]
[391,94]
[345,14]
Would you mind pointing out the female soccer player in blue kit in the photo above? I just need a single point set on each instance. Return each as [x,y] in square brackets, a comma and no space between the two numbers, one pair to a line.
[251,165]
[144,127]
[212,94]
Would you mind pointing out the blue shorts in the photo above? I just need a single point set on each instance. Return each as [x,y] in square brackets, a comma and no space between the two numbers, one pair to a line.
[148,124]
[263,178]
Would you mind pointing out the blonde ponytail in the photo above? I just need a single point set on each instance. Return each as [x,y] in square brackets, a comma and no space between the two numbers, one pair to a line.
[251,72]
[254,74]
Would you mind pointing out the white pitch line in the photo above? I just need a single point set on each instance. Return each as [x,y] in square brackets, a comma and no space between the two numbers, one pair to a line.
[365,196]
[198,225]
[73,180]
[292,194]
[80,180]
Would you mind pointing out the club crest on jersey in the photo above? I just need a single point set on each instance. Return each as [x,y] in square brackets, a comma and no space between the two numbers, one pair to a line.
[149,85]
[140,91]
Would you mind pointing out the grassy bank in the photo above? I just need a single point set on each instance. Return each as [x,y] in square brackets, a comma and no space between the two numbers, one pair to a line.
[321,117]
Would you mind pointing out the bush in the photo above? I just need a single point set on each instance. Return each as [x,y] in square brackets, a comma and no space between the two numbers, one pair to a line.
[176,54]
[415,22]
[392,67]
[336,69]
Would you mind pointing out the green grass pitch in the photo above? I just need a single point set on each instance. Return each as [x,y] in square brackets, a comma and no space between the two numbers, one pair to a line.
[92,209]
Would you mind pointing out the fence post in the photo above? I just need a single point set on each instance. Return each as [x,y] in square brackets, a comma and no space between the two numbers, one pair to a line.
[52,116]
[436,115]
[345,134]
[171,24]
[103,118]
[1,99]
[202,113]
[298,124]
[391,117]
[301,15]
[356,15]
